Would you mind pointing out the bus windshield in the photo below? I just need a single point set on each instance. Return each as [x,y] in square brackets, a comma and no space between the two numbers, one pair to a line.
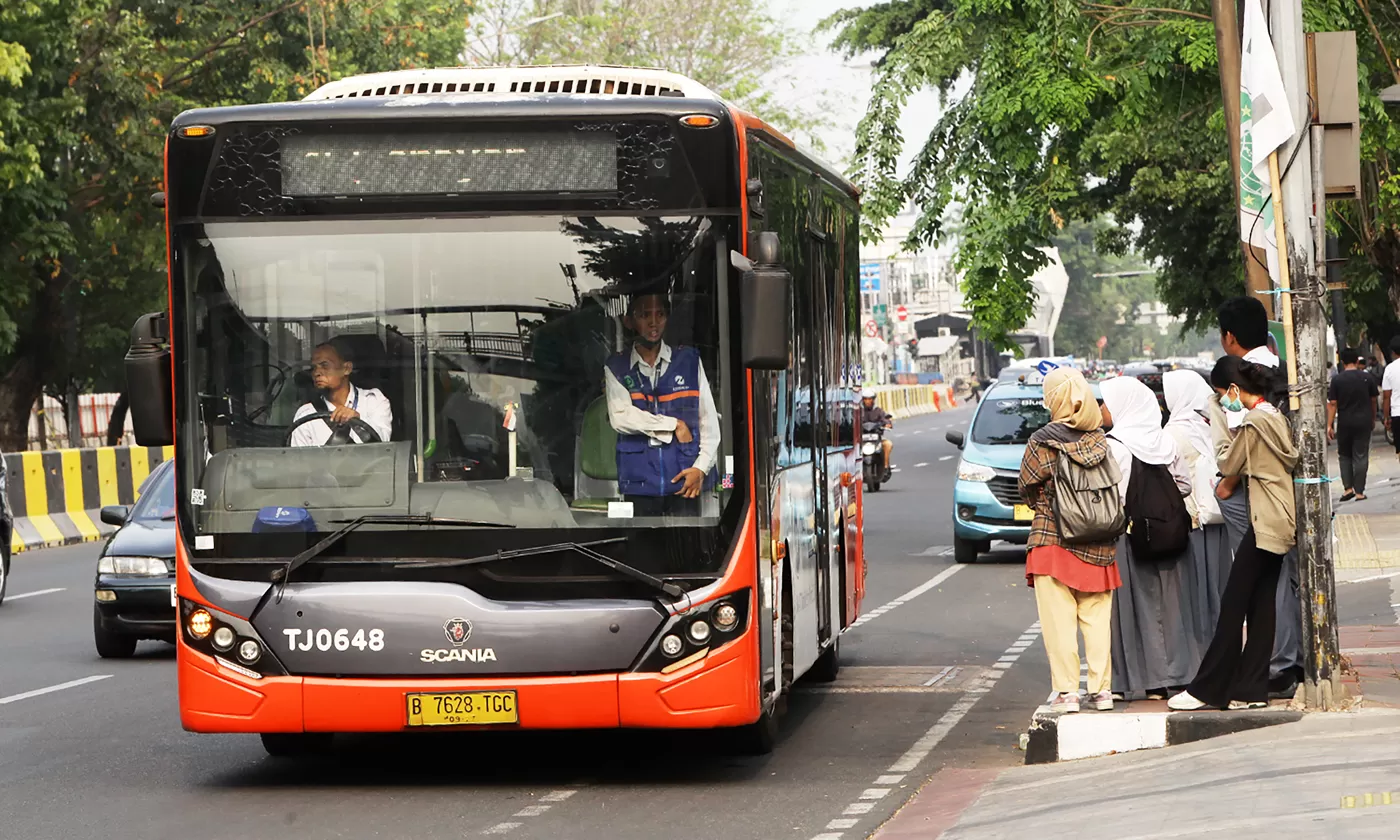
[541,372]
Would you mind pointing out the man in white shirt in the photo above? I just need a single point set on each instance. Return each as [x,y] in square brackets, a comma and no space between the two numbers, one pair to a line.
[660,405]
[332,364]
[1390,381]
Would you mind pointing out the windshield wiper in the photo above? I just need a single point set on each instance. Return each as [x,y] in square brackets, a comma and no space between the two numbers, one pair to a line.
[281,576]
[585,549]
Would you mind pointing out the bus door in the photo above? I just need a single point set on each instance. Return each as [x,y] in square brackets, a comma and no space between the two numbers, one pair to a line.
[821,377]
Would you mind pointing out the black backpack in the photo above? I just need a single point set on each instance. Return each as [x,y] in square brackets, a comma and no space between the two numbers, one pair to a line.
[1159,527]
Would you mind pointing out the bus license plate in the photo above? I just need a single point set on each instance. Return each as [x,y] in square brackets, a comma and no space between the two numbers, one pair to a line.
[1023,513]
[174,599]
[463,708]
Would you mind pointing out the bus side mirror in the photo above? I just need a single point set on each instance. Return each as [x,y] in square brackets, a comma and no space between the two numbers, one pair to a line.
[765,298]
[148,380]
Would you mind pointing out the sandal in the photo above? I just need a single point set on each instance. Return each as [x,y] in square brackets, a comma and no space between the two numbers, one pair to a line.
[1348,496]
[1361,497]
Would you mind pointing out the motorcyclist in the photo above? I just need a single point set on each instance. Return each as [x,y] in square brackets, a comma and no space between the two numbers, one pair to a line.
[872,413]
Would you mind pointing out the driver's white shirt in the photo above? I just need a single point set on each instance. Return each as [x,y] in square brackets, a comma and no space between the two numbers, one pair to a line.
[372,405]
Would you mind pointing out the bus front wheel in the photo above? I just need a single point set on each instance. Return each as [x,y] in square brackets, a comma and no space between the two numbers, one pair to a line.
[289,744]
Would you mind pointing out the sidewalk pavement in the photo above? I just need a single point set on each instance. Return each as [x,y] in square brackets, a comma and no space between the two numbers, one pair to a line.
[1327,775]
[1368,532]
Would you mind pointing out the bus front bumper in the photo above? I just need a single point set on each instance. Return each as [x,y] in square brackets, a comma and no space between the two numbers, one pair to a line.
[717,691]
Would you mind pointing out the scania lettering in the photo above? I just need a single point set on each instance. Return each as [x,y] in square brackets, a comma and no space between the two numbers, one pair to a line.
[595,330]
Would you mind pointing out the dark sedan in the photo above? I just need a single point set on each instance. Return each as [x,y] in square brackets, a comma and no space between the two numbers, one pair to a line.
[135,590]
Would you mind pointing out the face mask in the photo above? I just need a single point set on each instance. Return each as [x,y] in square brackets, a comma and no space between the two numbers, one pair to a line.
[1232,404]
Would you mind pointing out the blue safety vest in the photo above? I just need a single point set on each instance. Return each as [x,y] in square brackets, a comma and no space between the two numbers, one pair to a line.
[644,469]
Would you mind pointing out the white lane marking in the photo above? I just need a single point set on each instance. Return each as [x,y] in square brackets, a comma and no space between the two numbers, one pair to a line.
[946,458]
[890,780]
[922,464]
[846,822]
[934,551]
[14,698]
[36,592]
[917,432]
[909,596]
[916,754]
[531,811]
[948,669]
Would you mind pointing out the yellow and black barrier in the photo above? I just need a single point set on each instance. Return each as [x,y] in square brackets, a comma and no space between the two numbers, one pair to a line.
[55,496]
[910,400]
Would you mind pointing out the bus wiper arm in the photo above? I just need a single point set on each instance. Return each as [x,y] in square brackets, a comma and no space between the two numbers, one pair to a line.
[675,591]
[281,576]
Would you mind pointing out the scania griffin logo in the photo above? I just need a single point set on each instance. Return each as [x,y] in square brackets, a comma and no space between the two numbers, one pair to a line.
[457,631]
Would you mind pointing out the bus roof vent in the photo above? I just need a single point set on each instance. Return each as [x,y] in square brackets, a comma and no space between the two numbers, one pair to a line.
[583,79]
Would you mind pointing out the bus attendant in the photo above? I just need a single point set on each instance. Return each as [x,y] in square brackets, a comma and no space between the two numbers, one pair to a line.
[332,363]
[660,405]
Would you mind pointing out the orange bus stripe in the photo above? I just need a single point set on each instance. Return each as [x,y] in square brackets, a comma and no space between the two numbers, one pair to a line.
[678,395]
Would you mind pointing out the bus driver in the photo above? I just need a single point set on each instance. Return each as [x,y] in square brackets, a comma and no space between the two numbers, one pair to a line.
[331,366]
[660,405]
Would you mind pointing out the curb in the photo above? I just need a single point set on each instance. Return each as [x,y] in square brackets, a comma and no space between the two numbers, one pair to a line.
[56,530]
[1056,736]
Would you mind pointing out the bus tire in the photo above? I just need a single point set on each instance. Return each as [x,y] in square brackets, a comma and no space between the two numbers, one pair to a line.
[965,551]
[828,665]
[758,738]
[291,744]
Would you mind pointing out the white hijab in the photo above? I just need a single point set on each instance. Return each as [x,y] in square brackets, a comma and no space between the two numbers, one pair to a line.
[1187,394]
[1137,420]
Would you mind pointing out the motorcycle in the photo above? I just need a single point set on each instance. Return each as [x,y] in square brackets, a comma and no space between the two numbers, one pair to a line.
[872,436]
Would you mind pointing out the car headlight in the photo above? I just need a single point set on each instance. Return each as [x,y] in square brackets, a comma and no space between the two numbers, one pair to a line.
[975,472]
[867,449]
[134,566]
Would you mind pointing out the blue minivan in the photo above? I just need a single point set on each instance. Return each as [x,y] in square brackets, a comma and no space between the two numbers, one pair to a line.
[986,498]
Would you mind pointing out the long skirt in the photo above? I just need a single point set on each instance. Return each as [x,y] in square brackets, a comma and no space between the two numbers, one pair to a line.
[1156,640]
[1212,555]
[1288,623]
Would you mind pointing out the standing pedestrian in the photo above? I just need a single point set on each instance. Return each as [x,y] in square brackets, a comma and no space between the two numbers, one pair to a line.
[1155,645]
[1073,583]
[1351,417]
[1232,676]
[1188,394]
[1390,381]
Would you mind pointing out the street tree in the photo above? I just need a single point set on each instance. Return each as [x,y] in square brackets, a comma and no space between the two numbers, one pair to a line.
[87,90]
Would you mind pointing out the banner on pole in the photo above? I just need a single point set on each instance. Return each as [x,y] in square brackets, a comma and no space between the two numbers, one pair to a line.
[1266,122]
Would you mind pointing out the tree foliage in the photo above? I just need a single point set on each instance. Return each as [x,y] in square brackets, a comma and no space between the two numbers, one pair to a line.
[87,90]
[735,47]
[1057,110]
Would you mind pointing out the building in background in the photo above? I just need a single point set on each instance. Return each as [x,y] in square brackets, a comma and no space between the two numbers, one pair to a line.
[898,290]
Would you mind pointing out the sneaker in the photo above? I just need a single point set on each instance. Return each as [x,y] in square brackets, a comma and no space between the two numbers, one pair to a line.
[1184,702]
[1065,703]
[1239,705]
[1103,701]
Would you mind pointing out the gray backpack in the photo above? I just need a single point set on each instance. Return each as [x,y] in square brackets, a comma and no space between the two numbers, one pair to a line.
[1087,506]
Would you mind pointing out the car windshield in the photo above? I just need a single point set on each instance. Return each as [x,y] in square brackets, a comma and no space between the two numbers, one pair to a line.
[157,502]
[538,372]
[1005,418]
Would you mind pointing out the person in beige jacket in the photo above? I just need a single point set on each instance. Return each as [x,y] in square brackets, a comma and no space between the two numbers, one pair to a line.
[1262,451]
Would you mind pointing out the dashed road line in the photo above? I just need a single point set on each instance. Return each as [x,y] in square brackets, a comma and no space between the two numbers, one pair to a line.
[908,596]
[915,755]
[36,592]
[922,464]
[545,803]
[14,698]
[946,458]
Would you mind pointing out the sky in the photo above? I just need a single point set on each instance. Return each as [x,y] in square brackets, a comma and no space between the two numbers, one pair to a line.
[842,87]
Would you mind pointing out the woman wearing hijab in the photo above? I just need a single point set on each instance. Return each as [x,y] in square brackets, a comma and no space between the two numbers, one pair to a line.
[1187,396]
[1073,583]
[1155,640]
[1262,451]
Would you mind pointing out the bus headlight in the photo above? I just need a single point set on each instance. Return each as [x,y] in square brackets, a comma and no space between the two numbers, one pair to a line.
[699,631]
[975,472]
[223,638]
[725,617]
[672,645]
[201,623]
[250,651]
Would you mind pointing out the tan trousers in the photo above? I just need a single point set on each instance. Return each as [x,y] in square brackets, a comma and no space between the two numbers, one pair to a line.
[1064,612]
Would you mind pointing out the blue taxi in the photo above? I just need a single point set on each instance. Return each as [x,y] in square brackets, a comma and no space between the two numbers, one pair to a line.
[986,499]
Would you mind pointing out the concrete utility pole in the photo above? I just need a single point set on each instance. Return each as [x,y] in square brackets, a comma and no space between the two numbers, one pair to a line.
[1303,203]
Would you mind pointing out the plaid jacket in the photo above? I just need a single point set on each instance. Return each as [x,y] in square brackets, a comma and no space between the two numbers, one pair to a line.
[1037,485]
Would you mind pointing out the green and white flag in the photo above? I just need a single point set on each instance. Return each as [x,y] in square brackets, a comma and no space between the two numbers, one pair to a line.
[1265,124]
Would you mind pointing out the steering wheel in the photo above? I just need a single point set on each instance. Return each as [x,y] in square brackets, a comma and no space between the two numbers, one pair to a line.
[273,388]
[340,434]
